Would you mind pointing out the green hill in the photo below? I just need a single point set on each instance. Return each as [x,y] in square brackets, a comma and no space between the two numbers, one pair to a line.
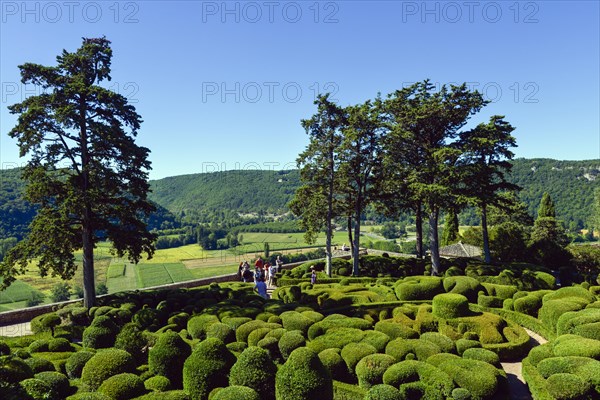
[240,192]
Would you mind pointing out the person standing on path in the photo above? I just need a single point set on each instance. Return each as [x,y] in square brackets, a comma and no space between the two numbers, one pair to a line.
[261,288]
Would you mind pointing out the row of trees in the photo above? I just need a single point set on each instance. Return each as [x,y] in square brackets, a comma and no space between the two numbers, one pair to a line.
[407,152]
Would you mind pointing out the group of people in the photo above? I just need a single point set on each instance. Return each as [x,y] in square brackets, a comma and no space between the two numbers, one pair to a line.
[263,272]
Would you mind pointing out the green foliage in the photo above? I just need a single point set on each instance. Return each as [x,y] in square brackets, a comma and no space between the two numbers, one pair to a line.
[480,354]
[289,342]
[255,369]
[235,393]
[13,370]
[37,389]
[400,349]
[157,383]
[59,383]
[75,363]
[101,333]
[352,353]
[198,325]
[546,207]
[450,305]
[221,331]
[481,379]
[335,364]
[445,344]
[303,376]
[59,345]
[567,386]
[383,392]
[465,285]
[419,288]
[207,368]
[436,384]
[167,357]
[38,364]
[370,369]
[104,364]
[61,292]
[123,386]
[293,320]
[131,339]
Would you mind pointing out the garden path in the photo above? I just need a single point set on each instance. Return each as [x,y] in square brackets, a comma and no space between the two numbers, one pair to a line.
[517,385]
[16,330]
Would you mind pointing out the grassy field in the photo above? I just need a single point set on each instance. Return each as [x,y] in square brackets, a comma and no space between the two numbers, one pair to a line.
[167,266]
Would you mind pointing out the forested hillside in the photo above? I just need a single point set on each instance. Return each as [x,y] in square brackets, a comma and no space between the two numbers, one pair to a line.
[16,214]
[228,191]
[219,195]
[571,185]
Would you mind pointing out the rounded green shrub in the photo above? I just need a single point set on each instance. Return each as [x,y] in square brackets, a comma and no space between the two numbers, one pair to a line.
[157,383]
[167,356]
[123,386]
[235,322]
[98,337]
[490,301]
[58,382]
[445,344]
[335,364]
[421,349]
[207,368]
[13,370]
[242,332]
[104,364]
[237,347]
[573,322]
[293,320]
[198,325]
[38,364]
[38,389]
[461,394]
[22,353]
[376,339]
[450,305]
[396,330]
[565,386]
[337,321]
[352,353]
[303,376]
[236,393]
[433,382]
[481,379]
[572,345]
[59,345]
[528,305]
[289,342]
[132,340]
[484,355]
[370,369]
[75,363]
[465,285]
[419,288]
[89,396]
[464,344]
[38,346]
[4,348]
[383,392]
[270,344]
[221,331]
[255,369]
[256,335]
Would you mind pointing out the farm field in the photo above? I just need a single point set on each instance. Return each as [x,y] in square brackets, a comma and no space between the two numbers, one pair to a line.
[167,266]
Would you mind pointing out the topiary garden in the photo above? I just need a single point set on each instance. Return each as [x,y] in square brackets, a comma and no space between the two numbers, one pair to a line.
[390,336]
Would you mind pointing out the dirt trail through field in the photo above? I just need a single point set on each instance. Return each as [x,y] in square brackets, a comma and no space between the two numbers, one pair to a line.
[518,387]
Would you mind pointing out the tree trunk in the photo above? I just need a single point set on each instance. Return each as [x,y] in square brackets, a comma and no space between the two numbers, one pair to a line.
[419,230]
[89,287]
[433,241]
[486,238]
[356,246]
[350,239]
[329,232]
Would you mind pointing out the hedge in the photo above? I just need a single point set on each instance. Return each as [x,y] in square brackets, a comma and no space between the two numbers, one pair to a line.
[167,357]
[383,392]
[58,382]
[303,376]
[104,364]
[481,379]
[157,383]
[289,342]
[352,353]
[235,393]
[450,305]
[123,386]
[255,369]
[370,369]
[421,349]
[435,383]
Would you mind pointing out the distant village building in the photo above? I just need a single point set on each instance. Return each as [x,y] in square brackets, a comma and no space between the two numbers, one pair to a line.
[461,250]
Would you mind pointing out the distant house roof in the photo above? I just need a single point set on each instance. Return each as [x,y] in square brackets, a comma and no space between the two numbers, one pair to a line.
[460,250]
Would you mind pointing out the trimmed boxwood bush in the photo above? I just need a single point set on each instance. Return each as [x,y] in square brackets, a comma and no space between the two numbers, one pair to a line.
[38,364]
[370,369]
[376,339]
[242,333]
[484,355]
[207,368]
[293,320]
[336,321]
[573,345]
[255,369]
[237,347]
[235,322]
[445,344]
[383,392]
[38,389]
[39,345]
[289,342]
[235,393]
[101,333]
[395,329]
[400,349]
[13,370]
[303,376]
[167,356]
[335,364]
[58,382]
[75,363]
[157,383]
[221,331]
[564,386]
[434,382]
[419,288]
[483,380]
[104,364]
[528,305]
[465,285]
[463,344]
[586,321]
[59,345]
[450,305]
[352,353]
[123,386]
[89,396]
[198,325]
[132,340]
[170,395]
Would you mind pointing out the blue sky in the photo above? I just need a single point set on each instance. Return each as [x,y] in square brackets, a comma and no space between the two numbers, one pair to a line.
[224,85]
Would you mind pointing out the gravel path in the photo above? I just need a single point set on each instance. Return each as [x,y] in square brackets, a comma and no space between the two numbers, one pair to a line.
[16,330]
[518,387]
